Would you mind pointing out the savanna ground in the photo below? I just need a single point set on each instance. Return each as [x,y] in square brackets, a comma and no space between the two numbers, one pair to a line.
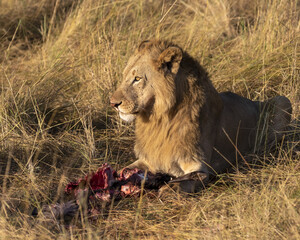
[60,60]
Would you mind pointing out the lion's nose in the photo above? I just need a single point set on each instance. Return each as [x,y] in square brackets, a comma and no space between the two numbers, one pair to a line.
[115,104]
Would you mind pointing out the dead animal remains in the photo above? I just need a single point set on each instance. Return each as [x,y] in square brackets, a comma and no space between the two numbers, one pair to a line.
[91,193]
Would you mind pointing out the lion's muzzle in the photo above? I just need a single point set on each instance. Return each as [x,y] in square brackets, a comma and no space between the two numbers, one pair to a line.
[123,106]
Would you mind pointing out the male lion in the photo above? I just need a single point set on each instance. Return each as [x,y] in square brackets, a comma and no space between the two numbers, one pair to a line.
[184,127]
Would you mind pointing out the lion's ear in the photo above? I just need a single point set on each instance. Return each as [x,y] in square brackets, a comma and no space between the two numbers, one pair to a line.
[170,59]
[143,45]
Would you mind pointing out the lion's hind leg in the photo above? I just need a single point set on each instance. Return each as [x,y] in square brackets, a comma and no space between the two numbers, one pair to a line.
[274,119]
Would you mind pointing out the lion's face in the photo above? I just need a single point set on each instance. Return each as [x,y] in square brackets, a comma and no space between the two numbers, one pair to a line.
[136,93]
[148,82]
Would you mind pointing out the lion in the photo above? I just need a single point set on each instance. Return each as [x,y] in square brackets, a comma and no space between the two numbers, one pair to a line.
[183,126]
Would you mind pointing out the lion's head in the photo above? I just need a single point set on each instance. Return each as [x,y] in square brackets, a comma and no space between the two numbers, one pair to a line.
[148,80]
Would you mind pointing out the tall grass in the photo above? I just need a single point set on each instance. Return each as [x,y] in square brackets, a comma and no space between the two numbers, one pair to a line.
[60,61]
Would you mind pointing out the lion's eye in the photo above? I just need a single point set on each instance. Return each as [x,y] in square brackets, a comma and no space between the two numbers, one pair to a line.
[137,79]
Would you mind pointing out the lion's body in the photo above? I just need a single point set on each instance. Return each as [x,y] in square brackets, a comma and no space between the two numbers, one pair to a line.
[183,124]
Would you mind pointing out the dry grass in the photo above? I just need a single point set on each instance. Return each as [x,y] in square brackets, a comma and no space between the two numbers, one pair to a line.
[61,59]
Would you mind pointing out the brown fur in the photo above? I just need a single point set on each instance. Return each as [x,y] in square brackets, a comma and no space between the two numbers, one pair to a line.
[183,124]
